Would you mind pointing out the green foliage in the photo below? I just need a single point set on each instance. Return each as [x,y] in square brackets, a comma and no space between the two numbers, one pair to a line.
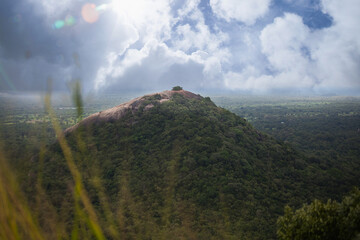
[325,129]
[184,153]
[77,99]
[177,88]
[331,220]
[183,168]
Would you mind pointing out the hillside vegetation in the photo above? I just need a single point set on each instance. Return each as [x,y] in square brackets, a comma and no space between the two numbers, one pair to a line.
[172,165]
[325,129]
[183,168]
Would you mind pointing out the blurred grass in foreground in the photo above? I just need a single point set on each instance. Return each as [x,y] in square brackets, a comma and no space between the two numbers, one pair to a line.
[22,219]
[123,219]
[17,221]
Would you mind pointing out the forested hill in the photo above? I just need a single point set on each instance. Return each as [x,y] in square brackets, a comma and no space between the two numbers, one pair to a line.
[171,165]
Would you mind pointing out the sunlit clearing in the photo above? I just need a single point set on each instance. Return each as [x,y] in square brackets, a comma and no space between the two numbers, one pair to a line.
[89,13]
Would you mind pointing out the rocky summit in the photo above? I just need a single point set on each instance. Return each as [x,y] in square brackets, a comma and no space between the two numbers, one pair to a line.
[133,106]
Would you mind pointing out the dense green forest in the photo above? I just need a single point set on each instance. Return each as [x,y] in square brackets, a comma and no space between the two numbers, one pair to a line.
[318,220]
[184,168]
[326,129]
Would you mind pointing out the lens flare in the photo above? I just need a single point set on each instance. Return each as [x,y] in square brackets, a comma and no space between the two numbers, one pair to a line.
[69,20]
[101,7]
[89,13]
[59,24]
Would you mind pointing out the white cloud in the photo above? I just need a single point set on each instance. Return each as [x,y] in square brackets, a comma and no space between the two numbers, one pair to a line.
[337,60]
[155,65]
[253,80]
[207,47]
[247,11]
[346,17]
[152,18]
[198,37]
[119,38]
[163,41]
[337,49]
[192,55]
[188,6]
[309,59]
[149,43]
[139,22]
[282,42]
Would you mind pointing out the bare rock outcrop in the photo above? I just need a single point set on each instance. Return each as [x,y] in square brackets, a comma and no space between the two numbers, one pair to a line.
[119,111]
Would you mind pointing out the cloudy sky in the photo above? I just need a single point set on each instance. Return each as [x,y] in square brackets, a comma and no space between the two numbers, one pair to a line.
[238,45]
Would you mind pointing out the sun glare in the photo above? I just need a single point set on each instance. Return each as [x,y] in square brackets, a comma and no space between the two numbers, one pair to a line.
[89,13]
[131,9]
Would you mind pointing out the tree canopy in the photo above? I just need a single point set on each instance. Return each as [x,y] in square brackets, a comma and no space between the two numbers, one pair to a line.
[177,88]
[318,220]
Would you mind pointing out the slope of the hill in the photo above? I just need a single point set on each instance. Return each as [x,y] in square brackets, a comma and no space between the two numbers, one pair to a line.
[173,165]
